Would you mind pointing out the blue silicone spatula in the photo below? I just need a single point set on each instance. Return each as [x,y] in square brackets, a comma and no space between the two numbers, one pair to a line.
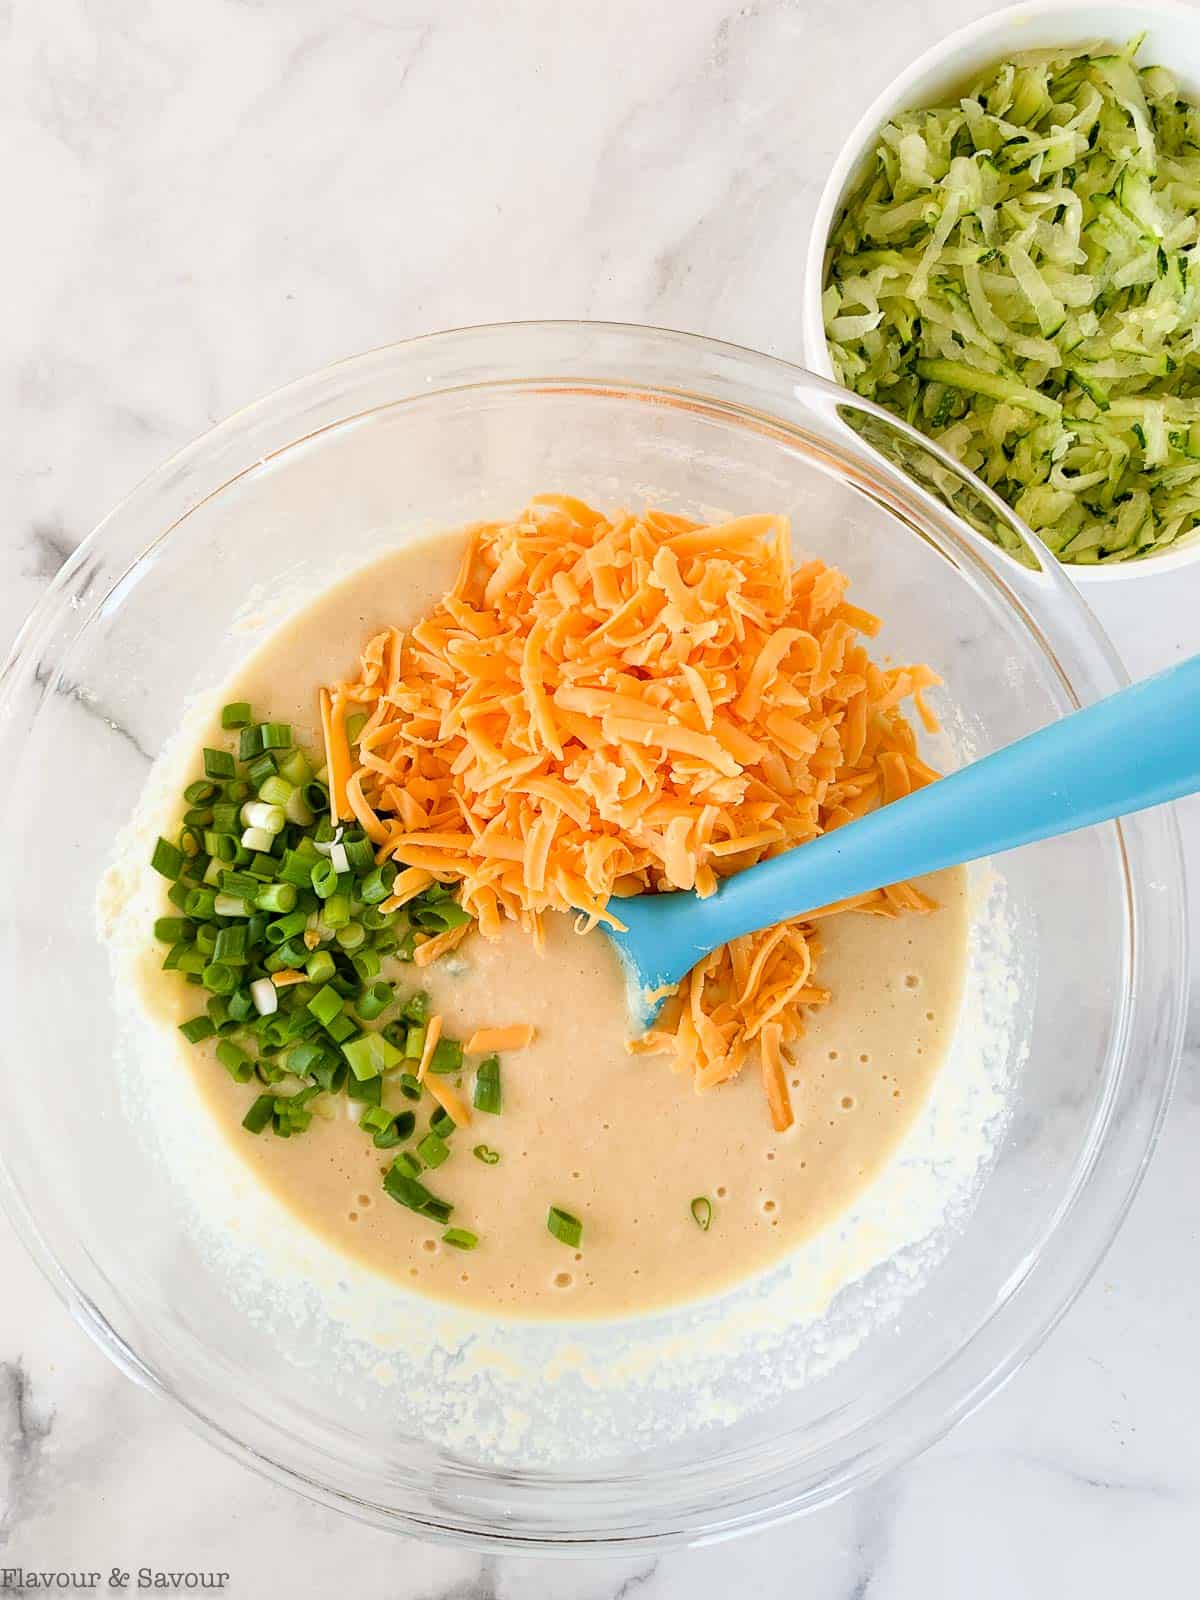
[1138,748]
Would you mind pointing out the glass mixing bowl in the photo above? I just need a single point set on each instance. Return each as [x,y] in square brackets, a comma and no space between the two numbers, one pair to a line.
[594,1451]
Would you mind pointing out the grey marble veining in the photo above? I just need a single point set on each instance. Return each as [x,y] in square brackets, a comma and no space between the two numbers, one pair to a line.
[204,202]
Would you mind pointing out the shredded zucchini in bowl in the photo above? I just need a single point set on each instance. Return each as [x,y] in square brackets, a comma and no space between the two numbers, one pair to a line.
[1018,275]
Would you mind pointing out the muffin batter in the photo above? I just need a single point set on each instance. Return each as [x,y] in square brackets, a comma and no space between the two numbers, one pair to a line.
[618,1140]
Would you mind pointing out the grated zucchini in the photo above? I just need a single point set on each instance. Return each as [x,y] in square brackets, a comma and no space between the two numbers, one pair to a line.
[1018,275]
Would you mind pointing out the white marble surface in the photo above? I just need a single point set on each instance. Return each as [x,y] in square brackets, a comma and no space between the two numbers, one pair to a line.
[205,201]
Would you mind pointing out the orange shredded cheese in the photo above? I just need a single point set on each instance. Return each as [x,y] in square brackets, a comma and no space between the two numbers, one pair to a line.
[484,1040]
[440,944]
[337,752]
[604,706]
[433,1032]
[451,1102]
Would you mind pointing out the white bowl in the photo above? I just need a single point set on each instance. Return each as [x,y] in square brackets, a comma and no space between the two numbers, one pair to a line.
[1172,40]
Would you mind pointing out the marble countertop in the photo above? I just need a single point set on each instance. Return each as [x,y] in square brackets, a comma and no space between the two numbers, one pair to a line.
[207,201]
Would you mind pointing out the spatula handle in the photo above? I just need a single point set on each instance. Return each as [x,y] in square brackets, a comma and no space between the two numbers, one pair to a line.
[1138,748]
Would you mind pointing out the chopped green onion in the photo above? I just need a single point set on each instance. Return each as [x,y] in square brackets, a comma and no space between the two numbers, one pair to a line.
[323,877]
[241,885]
[375,1119]
[442,1123]
[433,1149]
[295,869]
[409,1191]
[371,1002]
[219,764]
[296,810]
[370,1054]
[231,945]
[316,797]
[268,819]
[399,1128]
[235,1061]
[409,1086]
[276,736]
[566,1229]
[250,744]
[702,1212]
[265,996]
[276,897]
[257,839]
[460,1238]
[340,1029]
[217,977]
[261,770]
[487,1085]
[437,918]
[259,1114]
[350,936]
[295,767]
[325,1005]
[167,859]
[416,1007]
[320,966]
[368,966]
[279,932]
[483,1153]
[414,1044]
[198,1028]
[275,791]
[225,818]
[241,1005]
[447,1057]
[292,953]
[306,1057]
[171,929]
[337,911]
[201,904]
[235,715]
[360,854]
[377,884]
[408,1164]
[218,1011]
[368,1090]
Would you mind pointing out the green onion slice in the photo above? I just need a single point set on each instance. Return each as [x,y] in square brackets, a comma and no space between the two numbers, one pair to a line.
[566,1228]
[460,1238]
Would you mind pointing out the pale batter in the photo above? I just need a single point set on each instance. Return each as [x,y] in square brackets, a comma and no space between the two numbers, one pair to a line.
[618,1140]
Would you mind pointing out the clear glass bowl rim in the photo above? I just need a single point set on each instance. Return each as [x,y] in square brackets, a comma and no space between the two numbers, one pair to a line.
[760,389]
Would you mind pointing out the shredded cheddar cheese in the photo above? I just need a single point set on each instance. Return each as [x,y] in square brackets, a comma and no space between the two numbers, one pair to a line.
[605,706]
[433,1032]
[451,1102]
[486,1040]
